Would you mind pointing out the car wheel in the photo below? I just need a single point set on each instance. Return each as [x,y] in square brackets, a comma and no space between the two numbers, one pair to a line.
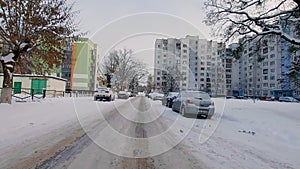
[170,105]
[173,109]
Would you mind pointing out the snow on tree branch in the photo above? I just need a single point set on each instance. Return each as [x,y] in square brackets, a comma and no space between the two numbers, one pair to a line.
[232,18]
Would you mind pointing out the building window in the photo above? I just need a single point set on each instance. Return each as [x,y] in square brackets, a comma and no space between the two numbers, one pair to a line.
[184,45]
[272,78]
[158,78]
[272,70]
[184,51]
[158,73]
[158,46]
[265,64]
[265,85]
[272,48]
[265,50]
[272,85]
[265,71]
[265,77]
[272,56]
[158,84]
[272,63]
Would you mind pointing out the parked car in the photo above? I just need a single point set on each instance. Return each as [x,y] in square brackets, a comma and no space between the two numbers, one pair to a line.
[230,97]
[104,94]
[270,99]
[195,103]
[287,99]
[132,94]
[158,96]
[152,95]
[123,95]
[168,99]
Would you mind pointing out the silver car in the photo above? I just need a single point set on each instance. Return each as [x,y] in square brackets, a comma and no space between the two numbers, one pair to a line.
[194,103]
[288,99]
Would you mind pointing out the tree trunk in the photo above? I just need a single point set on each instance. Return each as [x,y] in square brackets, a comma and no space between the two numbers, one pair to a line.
[6,93]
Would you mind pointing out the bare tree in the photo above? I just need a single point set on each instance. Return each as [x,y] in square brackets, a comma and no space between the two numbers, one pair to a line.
[124,67]
[150,85]
[232,18]
[32,28]
[171,78]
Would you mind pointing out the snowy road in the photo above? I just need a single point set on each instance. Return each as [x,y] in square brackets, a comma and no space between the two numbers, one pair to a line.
[141,133]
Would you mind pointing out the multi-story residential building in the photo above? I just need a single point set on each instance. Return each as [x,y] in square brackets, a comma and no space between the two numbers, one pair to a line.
[167,64]
[80,65]
[189,63]
[263,67]
[260,66]
[231,65]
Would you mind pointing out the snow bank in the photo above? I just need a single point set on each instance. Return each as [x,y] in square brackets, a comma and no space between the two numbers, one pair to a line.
[248,135]
[22,124]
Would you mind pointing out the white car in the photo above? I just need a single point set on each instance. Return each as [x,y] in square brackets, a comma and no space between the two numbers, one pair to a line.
[158,96]
[288,99]
[104,94]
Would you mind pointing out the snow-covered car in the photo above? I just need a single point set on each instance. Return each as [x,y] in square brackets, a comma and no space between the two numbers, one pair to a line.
[104,94]
[152,95]
[168,99]
[288,99]
[123,95]
[158,96]
[195,103]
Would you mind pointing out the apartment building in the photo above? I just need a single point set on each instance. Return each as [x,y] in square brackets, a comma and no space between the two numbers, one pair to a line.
[189,63]
[80,65]
[263,66]
[231,65]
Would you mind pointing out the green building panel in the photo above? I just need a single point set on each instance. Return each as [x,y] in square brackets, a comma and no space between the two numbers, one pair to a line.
[84,77]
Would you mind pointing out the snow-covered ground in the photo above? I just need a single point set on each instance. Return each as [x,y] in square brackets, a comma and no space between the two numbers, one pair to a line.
[244,134]
[31,126]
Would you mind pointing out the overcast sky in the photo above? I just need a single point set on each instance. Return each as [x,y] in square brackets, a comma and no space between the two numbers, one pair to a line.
[135,24]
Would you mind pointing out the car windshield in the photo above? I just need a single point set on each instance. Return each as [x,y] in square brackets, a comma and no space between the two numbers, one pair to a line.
[102,90]
[172,94]
[198,95]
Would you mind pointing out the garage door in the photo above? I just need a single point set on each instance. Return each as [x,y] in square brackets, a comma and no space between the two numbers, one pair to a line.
[38,85]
